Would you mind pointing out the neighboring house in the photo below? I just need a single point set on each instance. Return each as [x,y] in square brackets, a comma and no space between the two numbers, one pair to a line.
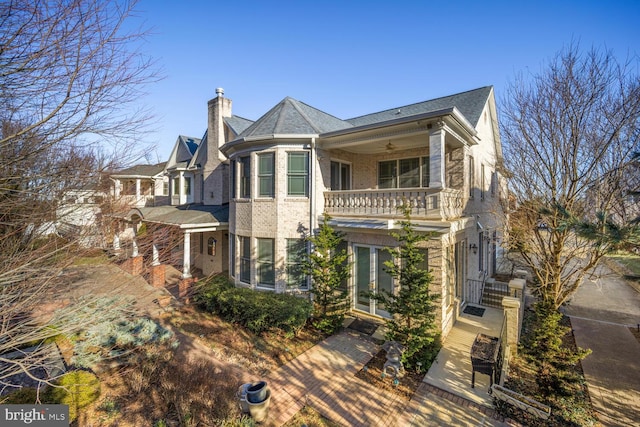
[79,214]
[246,194]
[141,185]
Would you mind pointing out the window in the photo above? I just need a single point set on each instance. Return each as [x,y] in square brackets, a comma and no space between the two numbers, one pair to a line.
[234,179]
[232,252]
[298,174]
[481,251]
[494,183]
[343,246]
[296,253]
[340,176]
[211,246]
[404,173]
[426,176]
[201,242]
[266,171]
[387,174]
[245,259]
[176,186]
[472,172]
[409,175]
[482,183]
[187,185]
[264,263]
[245,177]
[165,188]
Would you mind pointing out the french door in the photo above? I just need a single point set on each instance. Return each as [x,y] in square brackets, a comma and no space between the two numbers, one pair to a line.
[370,276]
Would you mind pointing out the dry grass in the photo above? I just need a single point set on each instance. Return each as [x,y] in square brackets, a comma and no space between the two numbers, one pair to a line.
[258,353]
[311,418]
[372,374]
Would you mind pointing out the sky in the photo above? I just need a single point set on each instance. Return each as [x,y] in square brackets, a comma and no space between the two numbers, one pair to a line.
[349,58]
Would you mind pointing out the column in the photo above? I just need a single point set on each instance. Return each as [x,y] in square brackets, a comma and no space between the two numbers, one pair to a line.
[511,307]
[437,158]
[134,242]
[116,241]
[182,197]
[137,190]
[155,260]
[116,188]
[186,260]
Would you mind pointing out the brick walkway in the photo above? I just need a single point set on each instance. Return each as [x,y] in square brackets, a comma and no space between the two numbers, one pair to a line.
[324,378]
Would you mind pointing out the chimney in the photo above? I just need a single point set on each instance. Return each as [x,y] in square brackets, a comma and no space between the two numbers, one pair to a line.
[215,173]
[219,107]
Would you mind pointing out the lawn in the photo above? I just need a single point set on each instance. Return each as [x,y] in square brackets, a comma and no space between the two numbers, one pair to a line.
[629,260]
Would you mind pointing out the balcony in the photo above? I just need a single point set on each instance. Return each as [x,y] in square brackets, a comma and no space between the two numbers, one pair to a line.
[138,201]
[425,203]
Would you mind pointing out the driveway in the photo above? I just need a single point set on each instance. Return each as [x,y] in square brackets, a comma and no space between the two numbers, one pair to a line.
[601,312]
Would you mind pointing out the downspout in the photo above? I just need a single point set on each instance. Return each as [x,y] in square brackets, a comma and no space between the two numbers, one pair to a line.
[312,187]
[312,201]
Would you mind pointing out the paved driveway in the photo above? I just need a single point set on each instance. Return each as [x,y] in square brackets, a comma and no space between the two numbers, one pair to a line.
[601,312]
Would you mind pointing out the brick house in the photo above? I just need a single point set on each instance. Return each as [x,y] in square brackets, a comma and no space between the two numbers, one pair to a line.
[246,193]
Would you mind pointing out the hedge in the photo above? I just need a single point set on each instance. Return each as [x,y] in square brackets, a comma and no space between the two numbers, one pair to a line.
[255,310]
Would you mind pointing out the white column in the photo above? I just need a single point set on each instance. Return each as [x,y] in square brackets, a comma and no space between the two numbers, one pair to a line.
[182,198]
[134,242]
[116,188]
[186,260]
[137,188]
[116,241]
[156,255]
[437,158]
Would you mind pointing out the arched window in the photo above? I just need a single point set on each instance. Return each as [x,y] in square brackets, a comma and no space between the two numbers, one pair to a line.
[211,246]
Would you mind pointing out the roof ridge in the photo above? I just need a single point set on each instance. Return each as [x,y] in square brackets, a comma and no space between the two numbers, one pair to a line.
[296,105]
[420,102]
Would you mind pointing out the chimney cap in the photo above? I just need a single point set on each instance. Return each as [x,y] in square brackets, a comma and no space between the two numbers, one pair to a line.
[219,91]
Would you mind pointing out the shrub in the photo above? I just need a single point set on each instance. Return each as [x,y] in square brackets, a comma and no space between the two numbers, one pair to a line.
[257,311]
[207,292]
[22,396]
[116,339]
[77,389]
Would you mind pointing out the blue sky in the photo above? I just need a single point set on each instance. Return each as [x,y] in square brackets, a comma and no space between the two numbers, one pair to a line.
[350,58]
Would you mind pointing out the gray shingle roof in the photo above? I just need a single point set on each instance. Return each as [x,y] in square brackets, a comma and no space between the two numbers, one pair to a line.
[293,117]
[191,143]
[141,170]
[186,214]
[238,124]
[469,103]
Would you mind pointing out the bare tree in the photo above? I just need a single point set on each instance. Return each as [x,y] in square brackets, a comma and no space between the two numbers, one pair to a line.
[71,74]
[568,136]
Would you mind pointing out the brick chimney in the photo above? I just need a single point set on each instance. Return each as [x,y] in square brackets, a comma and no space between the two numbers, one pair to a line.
[216,173]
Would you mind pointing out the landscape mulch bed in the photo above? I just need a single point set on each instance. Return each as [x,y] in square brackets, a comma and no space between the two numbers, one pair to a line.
[372,374]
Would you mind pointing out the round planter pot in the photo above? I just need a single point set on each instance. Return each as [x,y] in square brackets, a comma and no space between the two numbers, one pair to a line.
[257,392]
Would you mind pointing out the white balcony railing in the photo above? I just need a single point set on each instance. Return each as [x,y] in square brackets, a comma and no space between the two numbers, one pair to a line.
[425,203]
[138,201]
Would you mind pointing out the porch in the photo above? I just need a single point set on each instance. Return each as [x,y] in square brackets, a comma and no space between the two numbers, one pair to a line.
[451,371]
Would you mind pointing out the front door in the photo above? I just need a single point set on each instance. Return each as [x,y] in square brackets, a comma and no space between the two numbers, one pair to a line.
[460,266]
[371,276]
